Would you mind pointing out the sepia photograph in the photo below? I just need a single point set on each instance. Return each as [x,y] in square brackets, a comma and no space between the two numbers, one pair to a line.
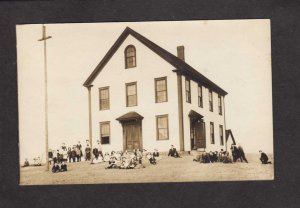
[145,102]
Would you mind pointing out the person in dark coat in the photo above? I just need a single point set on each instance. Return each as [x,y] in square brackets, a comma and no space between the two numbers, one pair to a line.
[55,160]
[73,154]
[63,167]
[156,153]
[242,154]
[96,153]
[87,153]
[264,158]
[55,168]
[205,158]
[173,152]
[50,156]
[69,154]
[235,152]
[58,156]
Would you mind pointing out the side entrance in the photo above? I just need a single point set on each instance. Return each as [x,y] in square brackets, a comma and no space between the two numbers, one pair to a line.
[197,131]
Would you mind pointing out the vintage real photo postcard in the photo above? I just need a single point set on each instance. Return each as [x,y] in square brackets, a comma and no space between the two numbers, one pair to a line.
[145,102]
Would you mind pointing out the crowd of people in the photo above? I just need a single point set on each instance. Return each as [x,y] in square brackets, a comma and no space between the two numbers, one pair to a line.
[136,158]
[236,154]
[212,157]
[130,160]
[116,159]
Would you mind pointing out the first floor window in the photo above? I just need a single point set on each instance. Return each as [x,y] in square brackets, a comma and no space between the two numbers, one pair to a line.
[212,133]
[104,98]
[221,135]
[105,132]
[131,95]
[162,127]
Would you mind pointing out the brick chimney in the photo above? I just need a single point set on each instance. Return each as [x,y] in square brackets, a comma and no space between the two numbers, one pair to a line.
[180,52]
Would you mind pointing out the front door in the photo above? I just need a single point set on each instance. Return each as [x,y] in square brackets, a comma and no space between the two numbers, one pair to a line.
[132,135]
[200,141]
[197,134]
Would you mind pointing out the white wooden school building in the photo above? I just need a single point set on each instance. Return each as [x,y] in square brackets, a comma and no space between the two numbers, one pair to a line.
[142,96]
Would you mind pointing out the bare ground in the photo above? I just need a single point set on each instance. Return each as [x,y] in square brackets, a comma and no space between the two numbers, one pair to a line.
[167,170]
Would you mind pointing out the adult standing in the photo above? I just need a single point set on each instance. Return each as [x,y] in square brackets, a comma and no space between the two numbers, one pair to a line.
[242,153]
[87,152]
[69,154]
[73,153]
[78,154]
[50,156]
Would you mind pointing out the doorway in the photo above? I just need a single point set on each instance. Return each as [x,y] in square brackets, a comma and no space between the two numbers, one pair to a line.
[197,131]
[132,130]
[132,135]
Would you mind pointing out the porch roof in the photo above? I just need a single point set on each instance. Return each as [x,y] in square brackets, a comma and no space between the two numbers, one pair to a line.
[194,114]
[130,116]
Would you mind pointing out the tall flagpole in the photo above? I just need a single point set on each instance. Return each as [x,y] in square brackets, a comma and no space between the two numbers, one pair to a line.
[44,38]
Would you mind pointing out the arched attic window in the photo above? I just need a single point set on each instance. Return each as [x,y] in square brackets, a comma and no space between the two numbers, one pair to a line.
[130,57]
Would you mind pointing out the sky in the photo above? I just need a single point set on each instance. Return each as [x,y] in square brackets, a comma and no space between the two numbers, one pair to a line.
[234,54]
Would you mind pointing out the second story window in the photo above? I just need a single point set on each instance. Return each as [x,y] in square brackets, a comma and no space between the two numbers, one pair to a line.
[104,98]
[210,95]
[200,97]
[131,95]
[188,90]
[161,93]
[220,104]
[130,57]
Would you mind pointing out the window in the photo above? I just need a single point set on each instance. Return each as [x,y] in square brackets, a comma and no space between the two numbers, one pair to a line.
[105,132]
[104,98]
[211,101]
[212,133]
[188,90]
[162,127]
[200,98]
[221,135]
[220,104]
[131,96]
[161,94]
[130,57]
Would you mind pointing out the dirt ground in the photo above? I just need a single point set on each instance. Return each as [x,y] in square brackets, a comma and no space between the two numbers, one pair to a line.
[167,170]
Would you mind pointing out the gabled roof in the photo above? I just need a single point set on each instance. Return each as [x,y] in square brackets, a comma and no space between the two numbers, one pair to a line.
[180,65]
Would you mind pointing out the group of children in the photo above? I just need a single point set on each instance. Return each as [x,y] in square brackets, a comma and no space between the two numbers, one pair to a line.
[64,154]
[213,157]
[237,153]
[62,167]
[127,160]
